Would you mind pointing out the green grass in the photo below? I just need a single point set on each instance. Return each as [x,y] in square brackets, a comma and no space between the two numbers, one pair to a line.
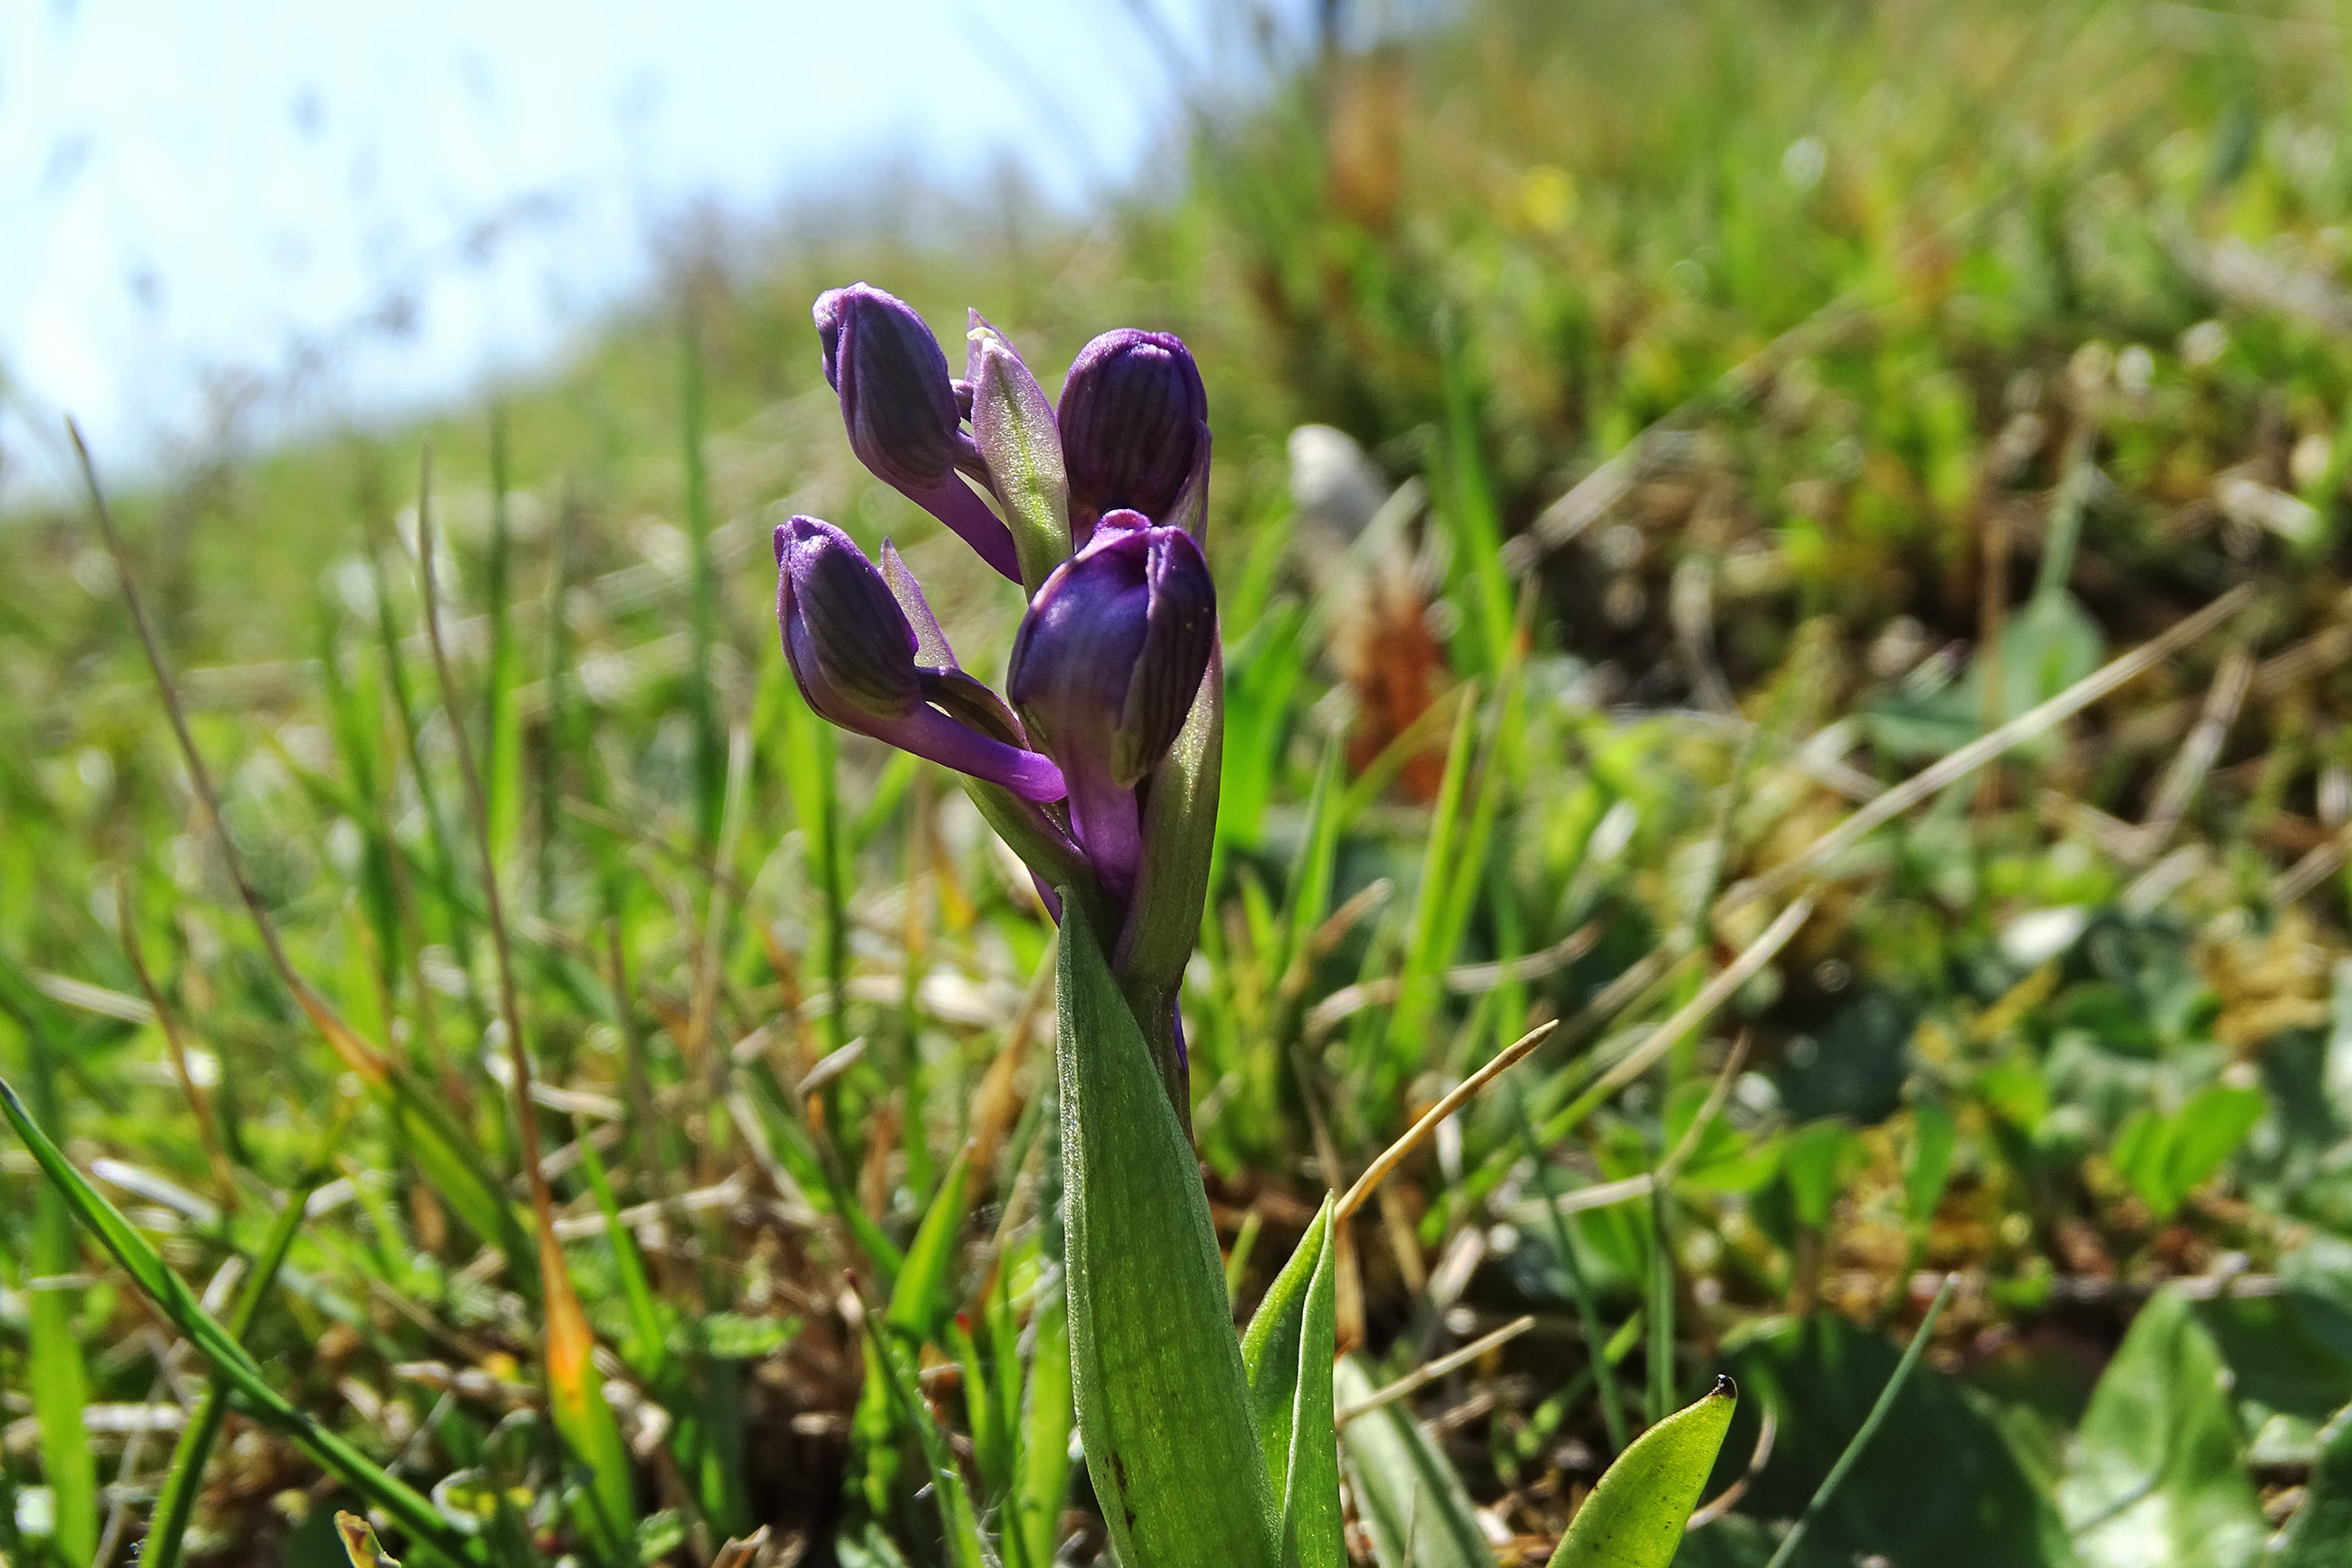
[1911,331]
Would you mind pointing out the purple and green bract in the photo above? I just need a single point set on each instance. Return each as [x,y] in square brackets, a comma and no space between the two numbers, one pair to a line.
[1115,681]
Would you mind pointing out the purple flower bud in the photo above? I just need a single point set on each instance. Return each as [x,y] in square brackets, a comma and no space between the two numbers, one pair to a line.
[1134,422]
[852,639]
[1105,669]
[904,412]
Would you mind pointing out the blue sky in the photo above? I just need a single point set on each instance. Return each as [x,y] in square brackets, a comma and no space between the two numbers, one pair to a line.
[196,199]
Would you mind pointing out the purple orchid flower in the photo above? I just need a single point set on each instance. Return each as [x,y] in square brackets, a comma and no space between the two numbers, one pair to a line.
[1104,669]
[868,655]
[905,412]
[1110,792]
[1134,427]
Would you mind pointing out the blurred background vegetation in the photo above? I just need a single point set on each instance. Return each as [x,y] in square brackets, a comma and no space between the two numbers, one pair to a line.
[1717,413]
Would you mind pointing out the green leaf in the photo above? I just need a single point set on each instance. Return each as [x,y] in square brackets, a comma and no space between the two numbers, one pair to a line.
[1163,1403]
[2321,1533]
[2166,1158]
[924,1295]
[1929,1162]
[2157,1475]
[992,1442]
[1813,1160]
[1287,1353]
[646,1349]
[1634,1518]
[920,1299]
[1406,1490]
[895,1353]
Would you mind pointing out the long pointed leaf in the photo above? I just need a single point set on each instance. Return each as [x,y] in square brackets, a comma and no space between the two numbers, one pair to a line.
[1163,1403]
[1288,1352]
[1634,1518]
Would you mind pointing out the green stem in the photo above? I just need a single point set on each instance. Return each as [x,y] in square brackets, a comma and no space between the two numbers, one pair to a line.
[1588,1310]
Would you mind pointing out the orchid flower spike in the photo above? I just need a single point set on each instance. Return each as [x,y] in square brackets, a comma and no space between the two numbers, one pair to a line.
[868,655]
[905,414]
[1104,669]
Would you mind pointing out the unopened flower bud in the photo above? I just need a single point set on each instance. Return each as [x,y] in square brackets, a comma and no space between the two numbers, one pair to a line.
[851,639]
[904,414]
[1134,423]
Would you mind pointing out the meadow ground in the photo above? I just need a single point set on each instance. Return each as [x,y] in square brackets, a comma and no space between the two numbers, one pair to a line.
[1840,509]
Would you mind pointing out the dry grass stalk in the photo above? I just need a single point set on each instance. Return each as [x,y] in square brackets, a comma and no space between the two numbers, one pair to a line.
[1959,764]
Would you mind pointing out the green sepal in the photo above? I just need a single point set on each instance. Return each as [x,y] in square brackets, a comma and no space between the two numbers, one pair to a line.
[1020,445]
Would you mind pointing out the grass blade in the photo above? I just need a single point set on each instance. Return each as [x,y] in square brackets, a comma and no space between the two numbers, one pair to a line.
[1044,1479]
[175,1504]
[235,1368]
[1886,1397]
[59,1384]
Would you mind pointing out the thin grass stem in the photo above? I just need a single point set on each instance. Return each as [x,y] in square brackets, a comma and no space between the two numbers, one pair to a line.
[1869,1429]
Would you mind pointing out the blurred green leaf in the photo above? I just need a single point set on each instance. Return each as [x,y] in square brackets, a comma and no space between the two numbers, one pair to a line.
[2156,1474]
[920,1301]
[1044,1478]
[1407,1492]
[1814,1159]
[1937,1484]
[2166,1158]
[2321,1533]
[1929,1160]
